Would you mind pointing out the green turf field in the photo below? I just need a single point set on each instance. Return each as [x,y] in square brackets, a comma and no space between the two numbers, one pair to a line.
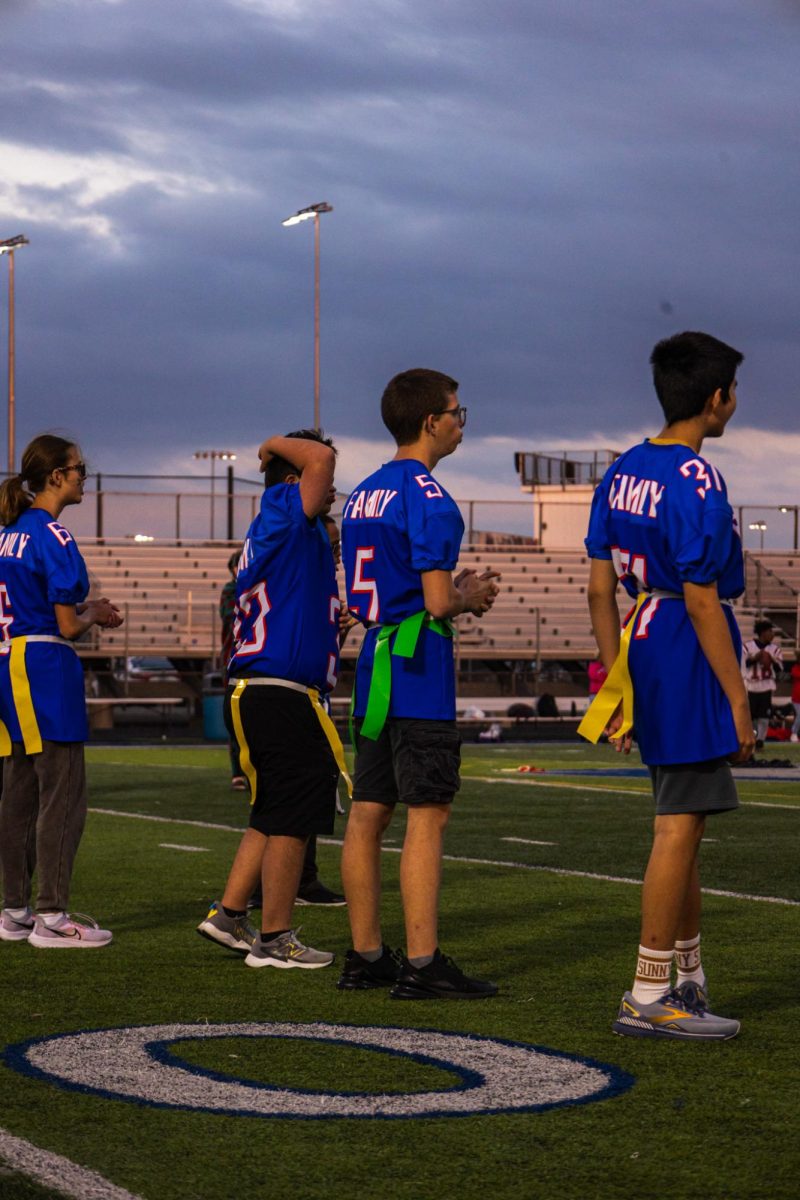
[537,896]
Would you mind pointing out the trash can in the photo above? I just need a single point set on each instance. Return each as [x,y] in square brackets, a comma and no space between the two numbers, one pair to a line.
[213,696]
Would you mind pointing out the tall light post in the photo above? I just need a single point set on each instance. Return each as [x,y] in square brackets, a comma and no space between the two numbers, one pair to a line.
[793,508]
[8,247]
[223,456]
[305,214]
[761,527]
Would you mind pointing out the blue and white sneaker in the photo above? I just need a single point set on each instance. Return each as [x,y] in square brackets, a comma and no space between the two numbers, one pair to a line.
[695,995]
[672,1017]
[16,929]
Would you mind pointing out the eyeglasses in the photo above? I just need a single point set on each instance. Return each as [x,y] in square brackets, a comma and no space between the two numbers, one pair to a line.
[79,467]
[459,412]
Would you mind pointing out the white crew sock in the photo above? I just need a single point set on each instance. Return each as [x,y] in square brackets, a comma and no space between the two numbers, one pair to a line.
[687,959]
[652,975]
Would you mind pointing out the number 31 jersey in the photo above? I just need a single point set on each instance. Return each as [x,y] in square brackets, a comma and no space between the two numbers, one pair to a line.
[396,524]
[661,515]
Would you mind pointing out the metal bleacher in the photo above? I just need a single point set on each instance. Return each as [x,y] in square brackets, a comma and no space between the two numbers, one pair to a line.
[170,594]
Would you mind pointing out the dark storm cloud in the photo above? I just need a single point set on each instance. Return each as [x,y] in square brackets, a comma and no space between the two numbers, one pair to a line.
[527,195]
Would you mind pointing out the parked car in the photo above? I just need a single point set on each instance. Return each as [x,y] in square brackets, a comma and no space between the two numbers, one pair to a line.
[148,669]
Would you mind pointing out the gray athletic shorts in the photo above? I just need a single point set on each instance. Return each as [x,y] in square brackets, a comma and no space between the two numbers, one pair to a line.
[704,787]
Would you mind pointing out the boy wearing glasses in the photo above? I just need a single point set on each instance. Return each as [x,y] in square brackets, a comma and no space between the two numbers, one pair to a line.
[401,539]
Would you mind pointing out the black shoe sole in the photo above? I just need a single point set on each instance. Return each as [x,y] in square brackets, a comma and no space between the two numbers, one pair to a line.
[406,992]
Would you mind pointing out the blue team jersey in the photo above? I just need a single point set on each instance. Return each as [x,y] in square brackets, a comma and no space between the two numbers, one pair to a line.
[396,524]
[286,620]
[661,514]
[40,566]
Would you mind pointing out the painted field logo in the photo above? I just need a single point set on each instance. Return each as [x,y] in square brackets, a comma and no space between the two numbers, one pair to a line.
[140,1065]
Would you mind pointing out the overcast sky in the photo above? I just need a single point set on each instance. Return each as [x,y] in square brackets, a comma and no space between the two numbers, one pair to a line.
[527,195]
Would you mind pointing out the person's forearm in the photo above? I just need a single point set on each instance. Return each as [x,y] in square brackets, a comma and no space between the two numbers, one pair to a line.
[605,623]
[300,452]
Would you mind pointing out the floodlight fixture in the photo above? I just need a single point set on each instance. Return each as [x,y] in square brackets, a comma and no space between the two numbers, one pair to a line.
[215,456]
[306,214]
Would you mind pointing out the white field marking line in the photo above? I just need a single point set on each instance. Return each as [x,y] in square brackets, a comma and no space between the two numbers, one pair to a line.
[528,841]
[481,862]
[596,787]
[113,812]
[176,846]
[116,762]
[53,1171]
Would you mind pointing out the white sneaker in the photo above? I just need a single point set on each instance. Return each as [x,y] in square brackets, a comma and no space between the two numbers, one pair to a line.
[72,931]
[794,738]
[13,930]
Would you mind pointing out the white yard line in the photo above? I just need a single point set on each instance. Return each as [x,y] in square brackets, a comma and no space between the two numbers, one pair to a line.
[190,849]
[483,862]
[597,787]
[528,841]
[54,1171]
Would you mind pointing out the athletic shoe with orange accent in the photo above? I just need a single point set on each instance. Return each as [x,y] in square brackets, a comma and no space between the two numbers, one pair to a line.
[672,1017]
[71,931]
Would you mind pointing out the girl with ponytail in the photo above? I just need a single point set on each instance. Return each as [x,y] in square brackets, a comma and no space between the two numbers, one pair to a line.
[43,609]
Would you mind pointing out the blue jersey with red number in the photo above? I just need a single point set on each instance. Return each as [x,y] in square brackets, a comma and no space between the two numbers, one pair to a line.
[661,514]
[40,566]
[396,524]
[286,620]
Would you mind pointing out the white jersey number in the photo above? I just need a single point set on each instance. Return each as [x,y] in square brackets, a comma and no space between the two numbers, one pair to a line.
[6,617]
[362,584]
[258,634]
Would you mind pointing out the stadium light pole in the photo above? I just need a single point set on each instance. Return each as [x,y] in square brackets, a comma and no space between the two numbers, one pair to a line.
[761,526]
[305,214]
[8,247]
[793,508]
[223,456]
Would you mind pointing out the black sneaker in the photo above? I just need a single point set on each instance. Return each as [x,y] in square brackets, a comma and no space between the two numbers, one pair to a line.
[317,893]
[441,979]
[360,974]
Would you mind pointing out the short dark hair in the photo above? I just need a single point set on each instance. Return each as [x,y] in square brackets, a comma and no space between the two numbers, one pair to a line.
[278,469]
[411,397]
[762,626]
[688,368]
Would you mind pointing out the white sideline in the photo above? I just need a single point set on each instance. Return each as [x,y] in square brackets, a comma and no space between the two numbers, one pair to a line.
[482,862]
[54,1171]
[600,787]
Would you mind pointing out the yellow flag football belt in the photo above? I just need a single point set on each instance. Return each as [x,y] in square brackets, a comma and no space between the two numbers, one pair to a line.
[328,727]
[617,689]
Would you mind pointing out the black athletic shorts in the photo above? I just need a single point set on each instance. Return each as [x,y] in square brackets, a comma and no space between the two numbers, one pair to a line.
[760,704]
[296,773]
[416,762]
[702,787]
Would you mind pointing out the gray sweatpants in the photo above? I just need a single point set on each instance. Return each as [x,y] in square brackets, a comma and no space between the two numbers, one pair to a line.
[42,815]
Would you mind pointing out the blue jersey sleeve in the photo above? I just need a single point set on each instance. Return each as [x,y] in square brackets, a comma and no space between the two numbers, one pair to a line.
[64,568]
[435,527]
[700,528]
[597,542]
